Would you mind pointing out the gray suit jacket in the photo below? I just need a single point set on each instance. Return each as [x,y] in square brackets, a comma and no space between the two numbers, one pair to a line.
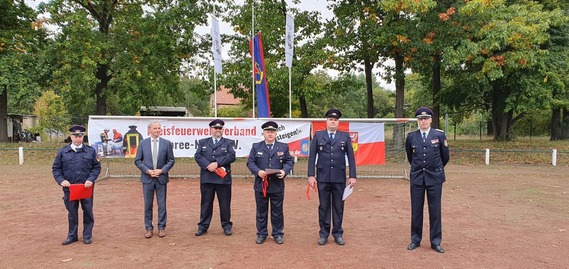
[143,159]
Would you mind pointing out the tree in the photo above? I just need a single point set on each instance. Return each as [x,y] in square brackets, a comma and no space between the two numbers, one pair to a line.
[51,112]
[498,64]
[117,55]
[20,39]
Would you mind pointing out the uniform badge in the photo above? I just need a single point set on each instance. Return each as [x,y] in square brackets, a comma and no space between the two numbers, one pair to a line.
[434,141]
[280,153]
[259,153]
[446,143]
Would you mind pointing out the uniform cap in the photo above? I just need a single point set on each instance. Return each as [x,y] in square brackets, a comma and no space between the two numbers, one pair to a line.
[217,123]
[424,112]
[333,113]
[77,130]
[270,126]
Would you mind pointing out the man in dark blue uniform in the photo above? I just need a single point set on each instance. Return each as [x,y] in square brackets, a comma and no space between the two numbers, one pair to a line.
[427,151]
[214,156]
[270,162]
[332,147]
[77,164]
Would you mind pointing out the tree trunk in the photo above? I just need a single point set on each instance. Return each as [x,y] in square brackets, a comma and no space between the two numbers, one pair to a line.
[369,86]
[303,108]
[104,79]
[501,119]
[4,114]
[556,124]
[436,89]
[398,135]
[565,124]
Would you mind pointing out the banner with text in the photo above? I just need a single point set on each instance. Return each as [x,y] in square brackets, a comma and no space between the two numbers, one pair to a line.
[118,137]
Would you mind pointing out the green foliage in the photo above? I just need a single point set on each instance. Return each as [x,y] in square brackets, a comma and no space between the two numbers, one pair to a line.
[232,112]
[197,97]
[51,112]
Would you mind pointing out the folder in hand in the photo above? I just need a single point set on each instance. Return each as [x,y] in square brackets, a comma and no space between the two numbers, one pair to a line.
[220,172]
[270,171]
[78,192]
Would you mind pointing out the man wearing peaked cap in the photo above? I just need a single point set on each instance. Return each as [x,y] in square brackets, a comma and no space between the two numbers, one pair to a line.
[329,148]
[333,113]
[428,153]
[214,156]
[77,164]
[423,112]
[217,123]
[269,161]
[270,125]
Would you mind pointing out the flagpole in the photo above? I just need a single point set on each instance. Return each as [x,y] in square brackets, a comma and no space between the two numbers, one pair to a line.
[215,92]
[289,92]
[253,52]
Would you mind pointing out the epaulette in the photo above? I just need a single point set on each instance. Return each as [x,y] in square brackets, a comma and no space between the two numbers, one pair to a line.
[440,130]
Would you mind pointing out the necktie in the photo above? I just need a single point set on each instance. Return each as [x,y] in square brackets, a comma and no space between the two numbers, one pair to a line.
[215,141]
[424,137]
[155,153]
[270,147]
[331,136]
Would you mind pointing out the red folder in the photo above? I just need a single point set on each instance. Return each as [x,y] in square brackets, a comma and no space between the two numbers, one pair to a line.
[78,192]
[220,172]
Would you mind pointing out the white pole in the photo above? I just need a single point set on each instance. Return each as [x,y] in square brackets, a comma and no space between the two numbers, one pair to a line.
[289,93]
[554,157]
[487,161]
[21,155]
[215,92]
[253,51]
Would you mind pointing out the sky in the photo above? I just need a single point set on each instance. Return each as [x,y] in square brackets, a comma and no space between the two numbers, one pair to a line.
[312,5]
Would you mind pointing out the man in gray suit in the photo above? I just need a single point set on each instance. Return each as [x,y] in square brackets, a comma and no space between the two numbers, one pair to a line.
[154,158]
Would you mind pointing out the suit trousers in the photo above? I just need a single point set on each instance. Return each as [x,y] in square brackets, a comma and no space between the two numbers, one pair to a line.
[277,217]
[73,216]
[208,192]
[331,203]
[434,194]
[148,190]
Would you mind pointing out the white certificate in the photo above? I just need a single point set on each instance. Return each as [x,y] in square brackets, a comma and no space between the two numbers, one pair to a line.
[347,191]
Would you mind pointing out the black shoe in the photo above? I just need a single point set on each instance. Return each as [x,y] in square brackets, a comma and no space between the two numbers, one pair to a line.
[260,239]
[279,240]
[69,241]
[228,232]
[413,246]
[339,241]
[322,241]
[201,232]
[88,241]
[438,248]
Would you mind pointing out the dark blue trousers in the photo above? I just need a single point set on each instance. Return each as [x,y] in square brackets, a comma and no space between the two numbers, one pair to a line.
[434,195]
[73,216]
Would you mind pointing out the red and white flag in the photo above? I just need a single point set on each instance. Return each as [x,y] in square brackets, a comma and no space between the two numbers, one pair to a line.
[368,140]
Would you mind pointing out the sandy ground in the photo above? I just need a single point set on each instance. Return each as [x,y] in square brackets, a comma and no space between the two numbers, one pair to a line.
[493,217]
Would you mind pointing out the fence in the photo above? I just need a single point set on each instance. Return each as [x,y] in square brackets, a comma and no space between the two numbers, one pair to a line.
[394,168]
